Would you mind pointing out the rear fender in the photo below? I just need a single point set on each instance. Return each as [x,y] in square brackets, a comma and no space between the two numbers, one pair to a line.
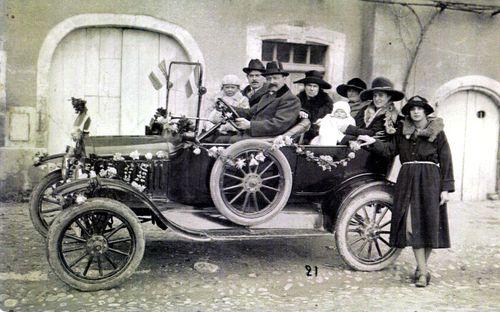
[42,160]
[92,185]
[343,193]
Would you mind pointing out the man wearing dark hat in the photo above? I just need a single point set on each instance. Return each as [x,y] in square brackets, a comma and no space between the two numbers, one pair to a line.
[257,85]
[315,102]
[277,111]
[352,90]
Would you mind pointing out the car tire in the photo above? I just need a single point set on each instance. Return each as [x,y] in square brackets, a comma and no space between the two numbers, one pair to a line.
[362,228]
[266,186]
[92,247]
[36,211]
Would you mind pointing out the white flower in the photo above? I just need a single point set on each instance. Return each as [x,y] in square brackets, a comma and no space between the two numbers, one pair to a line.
[278,142]
[351,155]
[161,119]
[111,172]
[260,157]
[102,173]
[288,140]
[92,174]
[138,186]
[240,163]
[174,127]
[197,151]
[253,162]
[213,151]
[344,163]
[118,156]
[160,154]
[80,199]
[221,149]
[299,150]
[148,156]
[326,158]
[135,154]
[82,175]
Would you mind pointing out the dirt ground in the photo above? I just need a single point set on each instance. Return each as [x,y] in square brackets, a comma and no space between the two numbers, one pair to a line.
[262,275]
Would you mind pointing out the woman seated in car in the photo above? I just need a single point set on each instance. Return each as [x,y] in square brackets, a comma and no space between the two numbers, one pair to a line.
[381,115]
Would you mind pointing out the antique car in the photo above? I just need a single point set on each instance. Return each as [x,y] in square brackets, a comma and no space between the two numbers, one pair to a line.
[92,207]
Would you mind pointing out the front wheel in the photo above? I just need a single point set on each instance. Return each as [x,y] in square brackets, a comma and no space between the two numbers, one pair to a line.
[96,245]
[44,207]
[362,231]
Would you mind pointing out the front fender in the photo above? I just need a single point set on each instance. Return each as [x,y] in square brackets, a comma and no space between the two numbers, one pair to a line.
[42,160]
[93,184]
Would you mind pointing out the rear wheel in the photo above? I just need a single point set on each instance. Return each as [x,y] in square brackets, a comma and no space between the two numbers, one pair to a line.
[362,231]
[44,207]
[255,187]
[96,245]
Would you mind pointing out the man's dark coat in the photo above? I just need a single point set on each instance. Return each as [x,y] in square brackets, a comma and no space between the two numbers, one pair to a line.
[273,115]
[255,98]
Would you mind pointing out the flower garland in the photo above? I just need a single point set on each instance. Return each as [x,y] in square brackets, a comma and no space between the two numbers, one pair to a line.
[326,162]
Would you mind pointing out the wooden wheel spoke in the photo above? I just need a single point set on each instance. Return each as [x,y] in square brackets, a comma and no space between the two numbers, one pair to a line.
[384,232]
[79,239]
[59,208]
[370,244]
[83,228]
[366,214]
[264,196]
[50,200]
[73,249]
[384,224]
[270,188]
[121,226]
[383,215]
[360,249]
[245,202]
[357,240]
[110,262]
[72,264]
[356,230]
[118,252]
[374,218]
[232,187]
[356,217]
[384,241]
[265,169]
[254,197]
[120,240]
[236,197]
[233,176]
[99,266]
[377,246]
[87,267]
[271,177]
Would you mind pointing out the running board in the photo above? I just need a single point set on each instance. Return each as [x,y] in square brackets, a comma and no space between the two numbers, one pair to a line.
[256,234]
[293,218]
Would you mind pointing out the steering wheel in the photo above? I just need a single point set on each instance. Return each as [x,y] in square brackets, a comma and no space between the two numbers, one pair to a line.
[228,112]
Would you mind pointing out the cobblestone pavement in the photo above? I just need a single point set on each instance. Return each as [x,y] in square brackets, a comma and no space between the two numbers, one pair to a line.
[262,275]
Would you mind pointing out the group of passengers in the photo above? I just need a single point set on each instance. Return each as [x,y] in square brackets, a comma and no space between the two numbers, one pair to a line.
[267,108]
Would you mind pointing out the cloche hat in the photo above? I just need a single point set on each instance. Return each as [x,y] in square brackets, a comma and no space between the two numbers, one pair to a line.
[417,101]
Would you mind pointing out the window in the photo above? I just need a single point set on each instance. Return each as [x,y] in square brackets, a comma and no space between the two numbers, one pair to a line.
[297,58]
[311,53]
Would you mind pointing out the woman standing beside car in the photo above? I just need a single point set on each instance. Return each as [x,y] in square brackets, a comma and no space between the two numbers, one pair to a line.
[419,218]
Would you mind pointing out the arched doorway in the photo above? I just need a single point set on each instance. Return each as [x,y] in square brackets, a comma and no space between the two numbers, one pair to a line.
[106,59]
[471,116]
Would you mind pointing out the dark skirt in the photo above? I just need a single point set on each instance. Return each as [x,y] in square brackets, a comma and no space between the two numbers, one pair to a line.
[418,186]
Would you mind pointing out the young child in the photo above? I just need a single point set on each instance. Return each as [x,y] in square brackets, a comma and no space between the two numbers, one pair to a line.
[231,94]
[330,125]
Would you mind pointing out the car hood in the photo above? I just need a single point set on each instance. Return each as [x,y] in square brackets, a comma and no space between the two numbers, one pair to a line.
[125,144]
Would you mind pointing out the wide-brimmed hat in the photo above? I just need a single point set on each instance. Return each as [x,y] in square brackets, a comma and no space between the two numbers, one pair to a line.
[385,85]
[354,83]
[275,68]
[417,101]
[254,64]
[314,76]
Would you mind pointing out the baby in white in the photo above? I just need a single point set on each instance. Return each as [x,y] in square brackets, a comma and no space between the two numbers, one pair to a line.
[330,125]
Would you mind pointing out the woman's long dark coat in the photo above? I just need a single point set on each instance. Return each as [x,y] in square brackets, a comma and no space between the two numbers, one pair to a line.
[316,107]
[420,186]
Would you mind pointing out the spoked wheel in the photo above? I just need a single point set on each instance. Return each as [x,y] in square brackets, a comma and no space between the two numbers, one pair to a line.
[362,231]
[96,245]
[255,186]
[44,207]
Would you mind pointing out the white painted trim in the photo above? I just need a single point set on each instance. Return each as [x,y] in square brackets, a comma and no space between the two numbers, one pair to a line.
[482,84]
[336,42]
[61,30]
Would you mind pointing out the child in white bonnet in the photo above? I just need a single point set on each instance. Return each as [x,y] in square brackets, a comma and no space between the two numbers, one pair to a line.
[231,94]
[330,125]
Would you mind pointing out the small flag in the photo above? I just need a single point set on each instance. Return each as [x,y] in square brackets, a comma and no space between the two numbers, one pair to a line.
[189,89]
[163,67]
[155,81]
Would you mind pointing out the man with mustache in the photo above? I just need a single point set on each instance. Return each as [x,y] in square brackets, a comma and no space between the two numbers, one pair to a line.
[277,111]
[257,85]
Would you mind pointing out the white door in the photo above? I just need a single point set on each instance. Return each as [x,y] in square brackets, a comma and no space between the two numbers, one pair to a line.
[472,125]
[109,67]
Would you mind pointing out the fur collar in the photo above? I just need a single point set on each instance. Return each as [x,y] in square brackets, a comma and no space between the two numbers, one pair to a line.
[321,98]
[282,91]
[389,112]
[431,131]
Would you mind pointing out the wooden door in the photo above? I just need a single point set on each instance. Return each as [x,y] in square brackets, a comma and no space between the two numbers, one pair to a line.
[109,67]
[472,125]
